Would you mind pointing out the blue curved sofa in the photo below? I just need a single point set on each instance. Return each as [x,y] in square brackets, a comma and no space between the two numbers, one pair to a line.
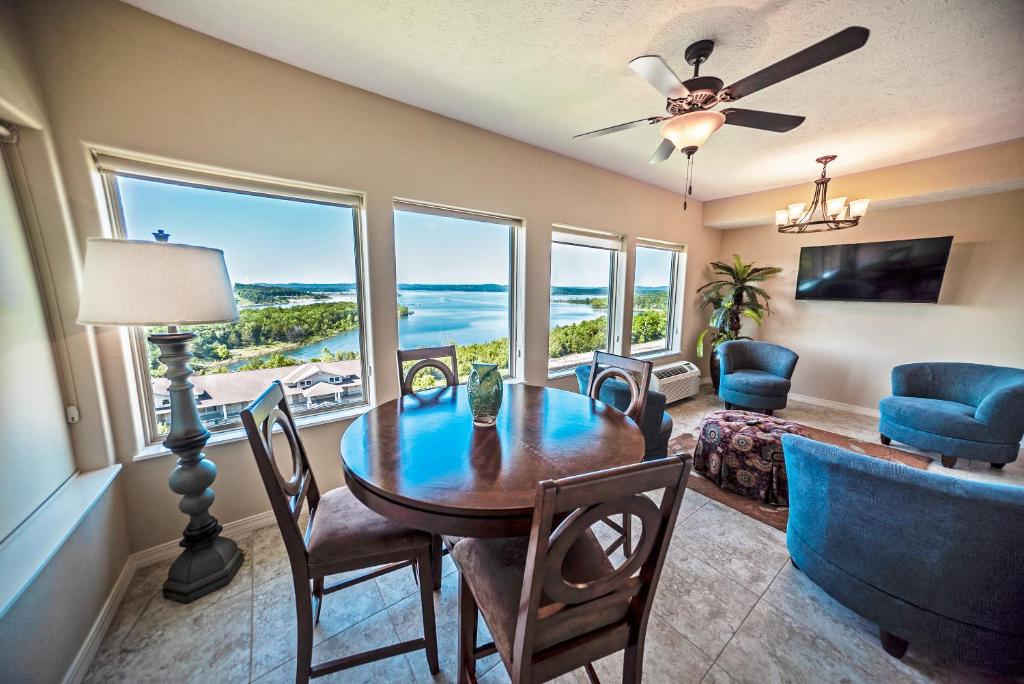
[755,375]
[959,410]
[933,560]
[656,424]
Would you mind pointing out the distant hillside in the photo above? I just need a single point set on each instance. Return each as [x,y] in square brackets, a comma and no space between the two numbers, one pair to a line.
[317,287]
[565,290]
[258,293]
[453,287]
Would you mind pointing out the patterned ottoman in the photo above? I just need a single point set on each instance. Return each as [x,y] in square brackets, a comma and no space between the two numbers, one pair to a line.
[741,452]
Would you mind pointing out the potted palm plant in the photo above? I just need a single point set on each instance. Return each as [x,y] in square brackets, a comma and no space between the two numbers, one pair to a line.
[730,298]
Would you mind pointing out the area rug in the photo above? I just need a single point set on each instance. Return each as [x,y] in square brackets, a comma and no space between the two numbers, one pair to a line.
[773,515]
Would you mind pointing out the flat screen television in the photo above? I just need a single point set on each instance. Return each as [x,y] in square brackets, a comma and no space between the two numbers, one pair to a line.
[893,271]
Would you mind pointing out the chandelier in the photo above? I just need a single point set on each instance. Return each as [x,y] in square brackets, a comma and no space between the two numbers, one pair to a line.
[834,213]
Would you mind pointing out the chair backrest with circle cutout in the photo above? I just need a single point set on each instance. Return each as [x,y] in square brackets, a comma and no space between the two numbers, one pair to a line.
[635,373]
[608,608]
[427,357]
[287,495]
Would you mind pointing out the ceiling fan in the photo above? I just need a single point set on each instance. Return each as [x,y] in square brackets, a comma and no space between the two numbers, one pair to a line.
[690,120]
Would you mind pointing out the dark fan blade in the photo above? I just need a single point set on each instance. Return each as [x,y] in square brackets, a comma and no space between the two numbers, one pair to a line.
[620,127]
[766,121]
[660,75]
[845,41]
[664,151]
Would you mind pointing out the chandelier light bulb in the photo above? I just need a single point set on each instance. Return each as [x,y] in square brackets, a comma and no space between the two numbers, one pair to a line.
[690,131]
[836,206]
[781,217]
[795,210]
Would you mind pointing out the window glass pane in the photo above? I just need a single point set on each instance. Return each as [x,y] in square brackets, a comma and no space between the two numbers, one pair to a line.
[652,300]
[453,277]
[580,279]
[293,265]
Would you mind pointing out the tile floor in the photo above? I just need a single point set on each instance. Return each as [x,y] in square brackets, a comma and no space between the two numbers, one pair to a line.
[730,608]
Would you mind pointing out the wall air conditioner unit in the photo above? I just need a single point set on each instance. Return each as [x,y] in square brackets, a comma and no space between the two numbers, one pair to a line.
[676,380]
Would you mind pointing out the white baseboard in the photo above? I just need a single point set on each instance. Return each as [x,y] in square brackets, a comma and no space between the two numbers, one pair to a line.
[861,410]
[83,659]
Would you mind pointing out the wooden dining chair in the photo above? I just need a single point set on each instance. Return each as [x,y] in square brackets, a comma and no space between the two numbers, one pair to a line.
[341,535]
[427,357]
[554,602]
[603,367]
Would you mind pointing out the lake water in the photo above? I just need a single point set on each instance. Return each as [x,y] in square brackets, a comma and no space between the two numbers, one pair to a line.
[444,317]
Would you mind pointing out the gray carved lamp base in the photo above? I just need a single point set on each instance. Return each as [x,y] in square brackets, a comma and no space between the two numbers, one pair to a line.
[209,561]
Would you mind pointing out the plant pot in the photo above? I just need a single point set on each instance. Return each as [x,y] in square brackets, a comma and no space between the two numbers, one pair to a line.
[715,368]
[485,388]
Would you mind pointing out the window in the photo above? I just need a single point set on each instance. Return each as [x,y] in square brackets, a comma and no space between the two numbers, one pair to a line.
[35,449]
[293,254]
[654,295]
[584,301]
[456,274]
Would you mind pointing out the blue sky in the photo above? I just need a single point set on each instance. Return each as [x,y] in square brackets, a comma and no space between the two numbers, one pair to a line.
[275,240]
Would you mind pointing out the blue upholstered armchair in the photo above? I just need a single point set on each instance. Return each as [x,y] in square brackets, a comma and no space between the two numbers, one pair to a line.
[959,410]
[755,375]
[656,423]
[935,561]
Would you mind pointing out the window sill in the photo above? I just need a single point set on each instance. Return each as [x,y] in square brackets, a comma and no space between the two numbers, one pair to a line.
[27,551]
[561,372]
[655,355]
[158,450]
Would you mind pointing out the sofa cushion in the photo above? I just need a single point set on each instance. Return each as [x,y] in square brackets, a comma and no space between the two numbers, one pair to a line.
[937,416]
[757,382]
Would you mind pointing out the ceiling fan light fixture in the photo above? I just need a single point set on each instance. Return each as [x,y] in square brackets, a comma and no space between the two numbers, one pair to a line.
[690,131]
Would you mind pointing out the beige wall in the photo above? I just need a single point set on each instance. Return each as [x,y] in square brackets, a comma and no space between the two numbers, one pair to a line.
[119,78]
[847,349]
[42,631]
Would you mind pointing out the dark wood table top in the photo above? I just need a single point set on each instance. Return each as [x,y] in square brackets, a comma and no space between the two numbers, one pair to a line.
[419,459]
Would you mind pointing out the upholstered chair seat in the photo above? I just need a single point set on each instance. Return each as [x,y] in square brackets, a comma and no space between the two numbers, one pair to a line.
[959,410]
[655,424]
[344,529]
[495,569]
[755,375]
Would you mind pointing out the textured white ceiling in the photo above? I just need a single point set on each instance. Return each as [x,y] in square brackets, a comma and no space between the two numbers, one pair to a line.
[936,76]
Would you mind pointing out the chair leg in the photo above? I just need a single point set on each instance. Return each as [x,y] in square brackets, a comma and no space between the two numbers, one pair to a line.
[436,552]
[627,535]
[892,644]
[728,406]
[304,630]
[467,633]
[997,466]
[633,664]
[886,441]
[949,461]
[769,412]
[318,598]
[425,566]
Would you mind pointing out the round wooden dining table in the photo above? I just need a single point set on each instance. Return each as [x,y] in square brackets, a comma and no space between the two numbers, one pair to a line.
[420,461]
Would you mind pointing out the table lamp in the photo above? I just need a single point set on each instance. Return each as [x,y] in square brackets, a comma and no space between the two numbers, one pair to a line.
[135,282]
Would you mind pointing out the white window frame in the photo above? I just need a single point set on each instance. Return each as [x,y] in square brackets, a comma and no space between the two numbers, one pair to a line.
[516,290]
[677,275]
[110,166]
[615,245]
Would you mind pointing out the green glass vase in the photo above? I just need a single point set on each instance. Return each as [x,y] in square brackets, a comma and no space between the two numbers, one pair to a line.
[485,389]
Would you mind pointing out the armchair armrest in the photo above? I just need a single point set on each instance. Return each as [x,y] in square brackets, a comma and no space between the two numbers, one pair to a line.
[1004,407]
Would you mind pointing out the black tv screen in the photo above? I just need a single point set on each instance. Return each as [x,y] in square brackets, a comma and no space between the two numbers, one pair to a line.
[895,271]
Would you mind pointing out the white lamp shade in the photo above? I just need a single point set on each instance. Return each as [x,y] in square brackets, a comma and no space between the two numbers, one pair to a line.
[859,207]
[781,217]
[136,282]
[693,129]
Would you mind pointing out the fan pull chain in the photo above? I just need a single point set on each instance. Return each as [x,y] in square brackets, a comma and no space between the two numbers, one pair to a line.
[689,180]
